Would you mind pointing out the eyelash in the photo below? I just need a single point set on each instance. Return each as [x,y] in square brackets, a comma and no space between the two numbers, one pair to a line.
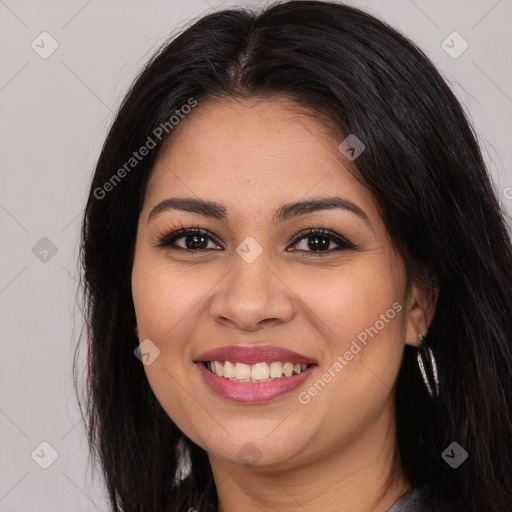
[166,240]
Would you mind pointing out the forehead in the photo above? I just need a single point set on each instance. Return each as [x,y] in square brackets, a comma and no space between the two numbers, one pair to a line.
[257,150]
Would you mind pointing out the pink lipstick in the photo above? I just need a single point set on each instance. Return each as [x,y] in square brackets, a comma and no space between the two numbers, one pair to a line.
[254,374]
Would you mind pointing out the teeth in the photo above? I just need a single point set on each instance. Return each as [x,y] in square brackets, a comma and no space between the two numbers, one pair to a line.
[218,368]
[288,369]
[228,370]
[276,369]
[242,371]
[259,372]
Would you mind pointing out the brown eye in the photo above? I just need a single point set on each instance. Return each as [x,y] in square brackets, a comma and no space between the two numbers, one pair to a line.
[319,241]
[193,240]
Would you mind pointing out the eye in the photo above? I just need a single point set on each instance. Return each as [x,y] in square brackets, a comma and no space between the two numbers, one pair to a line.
[318,241]
[193,239]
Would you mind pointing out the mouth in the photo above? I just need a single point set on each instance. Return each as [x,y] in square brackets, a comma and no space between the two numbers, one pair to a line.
[254,374]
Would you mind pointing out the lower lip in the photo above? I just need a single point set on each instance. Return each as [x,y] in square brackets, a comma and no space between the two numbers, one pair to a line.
[253,391]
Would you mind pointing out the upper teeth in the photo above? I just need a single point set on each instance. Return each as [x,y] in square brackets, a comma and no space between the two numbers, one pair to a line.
[256,372]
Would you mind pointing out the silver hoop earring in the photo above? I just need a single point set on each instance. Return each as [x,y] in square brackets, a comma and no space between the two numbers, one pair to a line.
[426,360]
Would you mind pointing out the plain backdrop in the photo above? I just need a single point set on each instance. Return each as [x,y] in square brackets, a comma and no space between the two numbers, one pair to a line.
[55,113]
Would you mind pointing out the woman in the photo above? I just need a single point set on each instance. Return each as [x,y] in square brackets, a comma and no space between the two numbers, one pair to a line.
[291,226]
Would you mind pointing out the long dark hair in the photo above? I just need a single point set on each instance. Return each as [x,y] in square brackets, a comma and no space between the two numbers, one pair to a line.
[424,166]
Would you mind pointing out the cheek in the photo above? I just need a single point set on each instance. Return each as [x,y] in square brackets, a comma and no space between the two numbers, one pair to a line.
[165,298]
[345,303]
[360,317]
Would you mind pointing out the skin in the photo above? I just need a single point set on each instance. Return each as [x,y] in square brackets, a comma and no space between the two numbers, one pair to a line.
[335,452]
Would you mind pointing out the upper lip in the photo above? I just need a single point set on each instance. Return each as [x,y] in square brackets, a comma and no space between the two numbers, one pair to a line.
[253,355]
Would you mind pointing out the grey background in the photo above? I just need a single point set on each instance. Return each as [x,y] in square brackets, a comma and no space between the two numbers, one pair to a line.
[55,113]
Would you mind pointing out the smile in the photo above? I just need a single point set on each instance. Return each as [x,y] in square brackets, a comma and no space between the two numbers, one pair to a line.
[253,373]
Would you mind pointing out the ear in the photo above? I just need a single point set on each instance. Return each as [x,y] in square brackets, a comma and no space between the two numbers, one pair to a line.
[420,309]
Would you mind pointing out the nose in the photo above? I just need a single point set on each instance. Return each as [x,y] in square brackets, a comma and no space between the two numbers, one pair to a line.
[252,295]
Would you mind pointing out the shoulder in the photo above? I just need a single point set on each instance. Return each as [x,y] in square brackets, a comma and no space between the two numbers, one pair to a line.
[414,500]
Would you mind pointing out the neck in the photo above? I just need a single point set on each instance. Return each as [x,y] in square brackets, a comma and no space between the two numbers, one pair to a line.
[361,474]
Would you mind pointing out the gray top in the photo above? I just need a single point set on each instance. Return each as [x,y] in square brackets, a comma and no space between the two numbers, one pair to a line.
[414,500]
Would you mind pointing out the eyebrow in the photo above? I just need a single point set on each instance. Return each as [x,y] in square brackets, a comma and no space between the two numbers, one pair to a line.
[283,213]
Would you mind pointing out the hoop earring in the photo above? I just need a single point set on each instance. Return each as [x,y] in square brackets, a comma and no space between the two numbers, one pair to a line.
[426,359]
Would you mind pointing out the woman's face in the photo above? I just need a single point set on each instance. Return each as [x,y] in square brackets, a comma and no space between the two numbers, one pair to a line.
[340,303]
